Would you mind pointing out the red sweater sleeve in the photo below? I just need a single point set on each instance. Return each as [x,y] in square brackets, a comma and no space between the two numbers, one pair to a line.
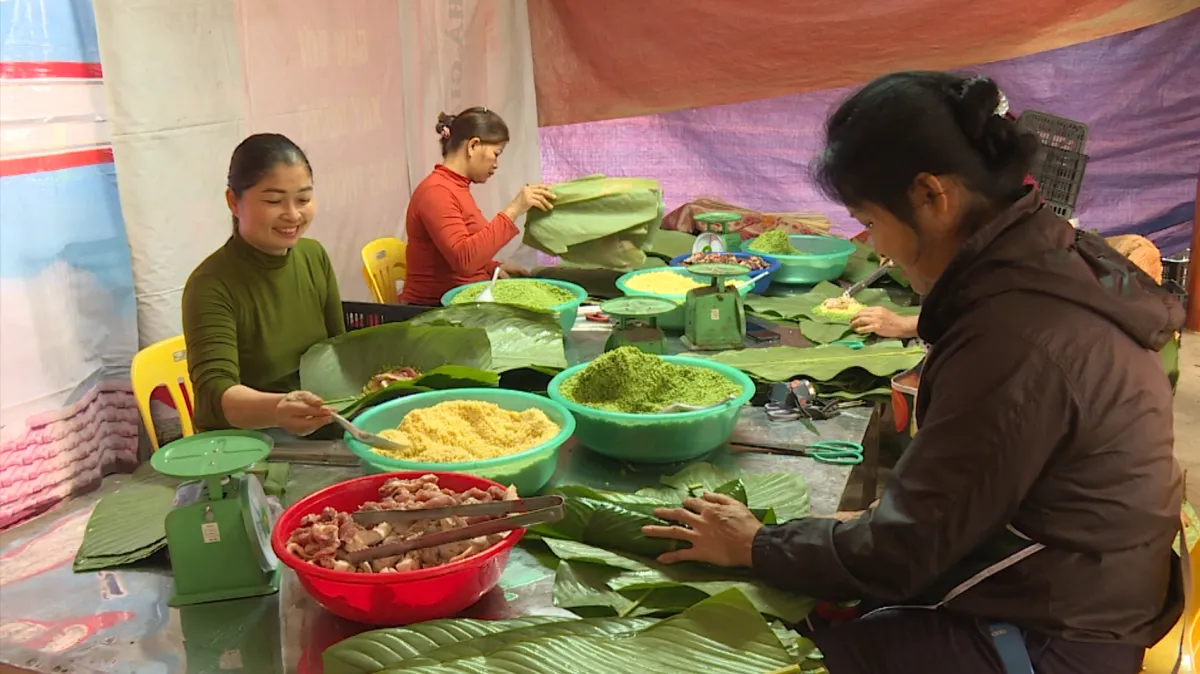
[465,252]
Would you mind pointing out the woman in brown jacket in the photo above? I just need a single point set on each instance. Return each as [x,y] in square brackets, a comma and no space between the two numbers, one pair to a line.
[1032,518]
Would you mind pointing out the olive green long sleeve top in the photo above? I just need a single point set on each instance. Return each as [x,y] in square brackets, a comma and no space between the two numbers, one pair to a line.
[249,316]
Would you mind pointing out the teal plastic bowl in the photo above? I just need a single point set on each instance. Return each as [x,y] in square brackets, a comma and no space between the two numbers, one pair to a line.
[672,321]
[825,259]
[529,470]
[567,311]
[656,438]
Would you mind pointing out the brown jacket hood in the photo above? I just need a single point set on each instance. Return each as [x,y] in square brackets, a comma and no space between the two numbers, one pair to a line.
[1029,249]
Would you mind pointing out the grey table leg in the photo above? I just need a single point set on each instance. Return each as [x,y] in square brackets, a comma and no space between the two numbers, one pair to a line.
[870,464]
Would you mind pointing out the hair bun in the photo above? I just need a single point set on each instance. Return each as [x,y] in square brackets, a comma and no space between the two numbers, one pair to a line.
[977,110]
[443,123]
[977,100]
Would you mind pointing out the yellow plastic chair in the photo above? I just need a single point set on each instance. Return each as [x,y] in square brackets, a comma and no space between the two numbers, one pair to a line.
[163,364]
[1160,659]
[384,263]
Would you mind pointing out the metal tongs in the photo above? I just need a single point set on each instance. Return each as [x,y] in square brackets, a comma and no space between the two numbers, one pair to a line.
[535,510]
[875,276]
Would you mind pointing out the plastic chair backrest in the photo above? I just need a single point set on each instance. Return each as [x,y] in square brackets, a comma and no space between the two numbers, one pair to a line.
[1191,613]
[384,263]
[1161,657]
[163,365]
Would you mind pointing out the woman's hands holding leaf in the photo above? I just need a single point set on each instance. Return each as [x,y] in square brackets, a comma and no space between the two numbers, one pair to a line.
[530,196]
[719,528]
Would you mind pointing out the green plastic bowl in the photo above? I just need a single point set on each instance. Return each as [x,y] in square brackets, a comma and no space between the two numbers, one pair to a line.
[529,470]
[672,321]
[656,438]
[825,259]
[567,311]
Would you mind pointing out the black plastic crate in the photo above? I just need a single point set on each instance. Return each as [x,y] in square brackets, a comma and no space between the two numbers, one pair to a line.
[1059,174]
[1055,132]
[361,315]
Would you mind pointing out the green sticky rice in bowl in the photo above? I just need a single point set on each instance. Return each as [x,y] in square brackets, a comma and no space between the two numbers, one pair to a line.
[552,295]
[615,400]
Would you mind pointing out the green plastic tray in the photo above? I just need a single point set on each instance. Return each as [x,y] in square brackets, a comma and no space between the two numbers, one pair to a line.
[529,470]
[672,321]
[656,438]
[826,259]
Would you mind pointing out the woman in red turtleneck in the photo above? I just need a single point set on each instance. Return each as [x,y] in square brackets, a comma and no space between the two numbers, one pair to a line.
[449,241]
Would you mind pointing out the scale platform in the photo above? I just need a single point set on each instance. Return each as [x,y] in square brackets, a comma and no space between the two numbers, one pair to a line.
[720,241]
[637,323]
[219,532]
[714,317]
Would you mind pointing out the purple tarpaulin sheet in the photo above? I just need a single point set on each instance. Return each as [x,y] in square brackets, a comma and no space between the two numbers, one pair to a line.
[1139,92]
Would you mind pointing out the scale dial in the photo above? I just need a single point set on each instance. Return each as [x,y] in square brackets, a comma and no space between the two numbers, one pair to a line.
[708,243]
[259,519]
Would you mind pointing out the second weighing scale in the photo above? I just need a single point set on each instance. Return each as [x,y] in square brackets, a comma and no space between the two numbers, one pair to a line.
[219,533]
[637,323]
[721,240]
[714,317]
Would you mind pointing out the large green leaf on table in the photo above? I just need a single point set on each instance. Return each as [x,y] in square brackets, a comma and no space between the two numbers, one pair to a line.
[601,582]
[383,649]
[799,308]
[613,520]
[583,589]
[340,367]
[785,495]
[822,363]
[599,221]
[519,337]
[723,633]
[818,332]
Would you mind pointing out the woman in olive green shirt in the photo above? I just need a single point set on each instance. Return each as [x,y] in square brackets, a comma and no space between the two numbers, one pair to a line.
[253,307]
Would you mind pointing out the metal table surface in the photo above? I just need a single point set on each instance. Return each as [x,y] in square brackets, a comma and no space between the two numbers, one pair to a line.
[53,620]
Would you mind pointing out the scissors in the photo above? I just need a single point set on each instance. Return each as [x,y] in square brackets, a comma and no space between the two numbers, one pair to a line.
[835,452]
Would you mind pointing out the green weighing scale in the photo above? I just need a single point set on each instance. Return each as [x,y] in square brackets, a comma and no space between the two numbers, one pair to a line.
[219,532]
[637,323]
[714,317]
[720,241]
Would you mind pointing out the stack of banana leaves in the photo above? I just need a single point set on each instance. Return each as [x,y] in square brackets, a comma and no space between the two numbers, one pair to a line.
[460,346]
[634,614]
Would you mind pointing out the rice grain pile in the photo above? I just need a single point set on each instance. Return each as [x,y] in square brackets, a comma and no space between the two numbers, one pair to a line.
[530,294]
[670,283]
[774,242]
[467,430]
[629,380]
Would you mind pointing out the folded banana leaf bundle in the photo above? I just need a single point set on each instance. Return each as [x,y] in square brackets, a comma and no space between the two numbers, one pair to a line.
[598,221]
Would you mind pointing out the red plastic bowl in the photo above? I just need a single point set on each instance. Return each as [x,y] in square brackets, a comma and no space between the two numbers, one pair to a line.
[390,599]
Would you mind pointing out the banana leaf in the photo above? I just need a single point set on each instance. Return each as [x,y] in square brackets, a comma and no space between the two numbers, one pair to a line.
[821,363]
[447,357]
[598,221]
[582,588]
[723,633]
[519,337]
[613,520]
[592,581]
[671,243]
[817,332]
[799,308]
